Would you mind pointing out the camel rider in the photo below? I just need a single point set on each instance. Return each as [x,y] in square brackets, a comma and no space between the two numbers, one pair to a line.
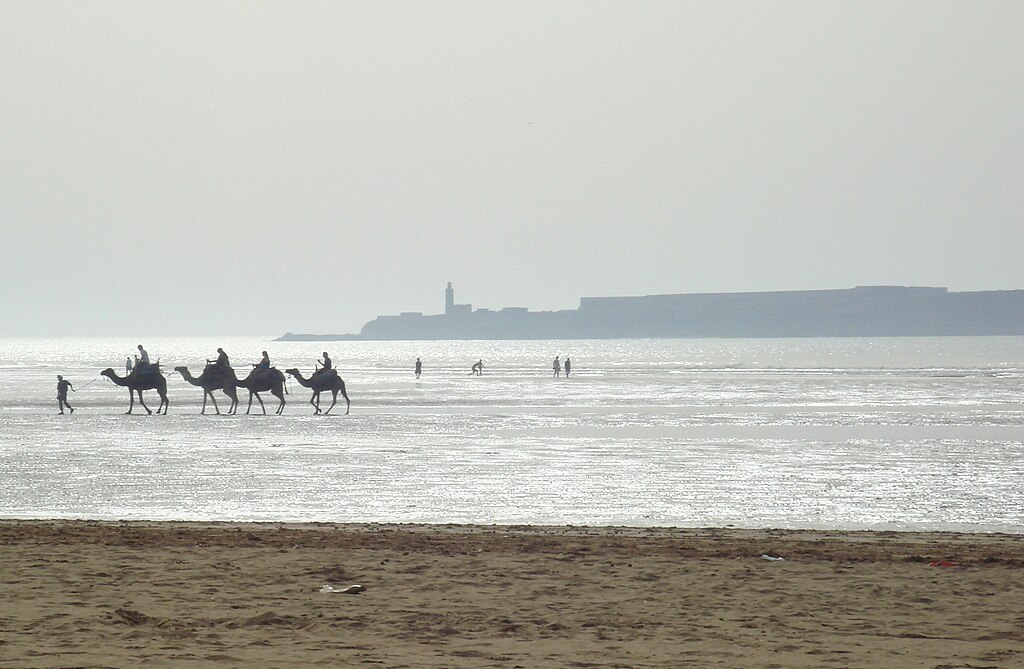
[143,366]
[326,366]
[221,361]
[264,363]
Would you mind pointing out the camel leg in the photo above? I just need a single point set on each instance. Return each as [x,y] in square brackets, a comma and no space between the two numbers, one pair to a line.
[334,400]
[212,399]
[205,393]
[314,403]
[262,406]
[251,393]
[280,407]
[143,403]
[164,403]
[131,400]
[234,400]
[348,404]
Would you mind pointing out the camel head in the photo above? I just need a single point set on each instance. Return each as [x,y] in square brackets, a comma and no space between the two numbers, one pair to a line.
[181,369]
[108,372]
[293,371]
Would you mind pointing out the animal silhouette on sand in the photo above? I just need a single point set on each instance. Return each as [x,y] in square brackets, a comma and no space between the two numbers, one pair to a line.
[320,382]
[262,380]
[149,379]
[214,378]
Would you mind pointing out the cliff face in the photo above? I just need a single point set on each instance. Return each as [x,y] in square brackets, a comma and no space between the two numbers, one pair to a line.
[857,312]
[872,311]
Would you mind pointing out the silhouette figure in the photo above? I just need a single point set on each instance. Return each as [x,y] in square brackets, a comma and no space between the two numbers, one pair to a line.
[320,383]
[419,368]
[214,377]
[557,366]
[264,363]
[143,356]
[261,380]
[136,382]
[568,367]
[477,368]
[221,361]
[128,365]
[62,394]
[323,371]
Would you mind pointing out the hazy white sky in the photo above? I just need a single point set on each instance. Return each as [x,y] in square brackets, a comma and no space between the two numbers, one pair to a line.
[253,168]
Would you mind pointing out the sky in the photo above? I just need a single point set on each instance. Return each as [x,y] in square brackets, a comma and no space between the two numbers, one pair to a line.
[207,168]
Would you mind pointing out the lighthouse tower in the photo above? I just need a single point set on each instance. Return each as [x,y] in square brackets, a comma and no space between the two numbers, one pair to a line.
[449,300]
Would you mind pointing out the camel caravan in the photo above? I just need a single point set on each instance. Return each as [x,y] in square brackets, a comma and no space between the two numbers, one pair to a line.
[219,375]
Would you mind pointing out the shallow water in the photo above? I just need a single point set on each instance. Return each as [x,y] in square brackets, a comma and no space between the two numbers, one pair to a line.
[902,433]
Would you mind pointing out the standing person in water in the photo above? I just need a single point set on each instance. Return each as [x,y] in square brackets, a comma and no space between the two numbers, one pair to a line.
[568,367]
[62,394]
[128,366]
[557,367]
[419,368]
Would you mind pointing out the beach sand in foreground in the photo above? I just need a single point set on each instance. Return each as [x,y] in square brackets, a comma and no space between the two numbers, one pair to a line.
[95,594]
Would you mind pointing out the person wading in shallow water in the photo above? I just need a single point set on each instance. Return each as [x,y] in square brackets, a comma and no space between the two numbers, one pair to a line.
[62,394]
[477,368]
[419,368]
[568,367]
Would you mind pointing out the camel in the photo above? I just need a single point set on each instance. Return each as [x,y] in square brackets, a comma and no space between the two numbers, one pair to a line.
[212,379]
[320,383]
[259,381]
[136,383]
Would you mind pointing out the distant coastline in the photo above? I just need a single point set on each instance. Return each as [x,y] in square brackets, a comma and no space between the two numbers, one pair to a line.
[864,311]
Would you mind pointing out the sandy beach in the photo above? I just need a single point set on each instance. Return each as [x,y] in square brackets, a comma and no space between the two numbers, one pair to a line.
[102,594]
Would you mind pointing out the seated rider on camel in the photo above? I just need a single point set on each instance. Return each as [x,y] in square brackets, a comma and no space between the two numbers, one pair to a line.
[143,365]
[264,364]
[221,364]
[326,368]
[221,361]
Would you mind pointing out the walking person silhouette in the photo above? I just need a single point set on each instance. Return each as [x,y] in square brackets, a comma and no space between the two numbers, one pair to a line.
[62,394]
[557,366]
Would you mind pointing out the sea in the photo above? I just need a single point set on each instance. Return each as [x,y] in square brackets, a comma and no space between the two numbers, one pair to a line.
[831,433]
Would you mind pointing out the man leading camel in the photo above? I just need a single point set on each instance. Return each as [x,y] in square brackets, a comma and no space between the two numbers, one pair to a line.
[62,394]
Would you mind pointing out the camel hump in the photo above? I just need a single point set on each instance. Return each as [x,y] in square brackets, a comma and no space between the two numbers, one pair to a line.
[272,373]
[217,372]
[146,369]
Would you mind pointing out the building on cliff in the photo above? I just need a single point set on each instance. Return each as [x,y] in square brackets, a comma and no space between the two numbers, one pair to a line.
[865,311]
